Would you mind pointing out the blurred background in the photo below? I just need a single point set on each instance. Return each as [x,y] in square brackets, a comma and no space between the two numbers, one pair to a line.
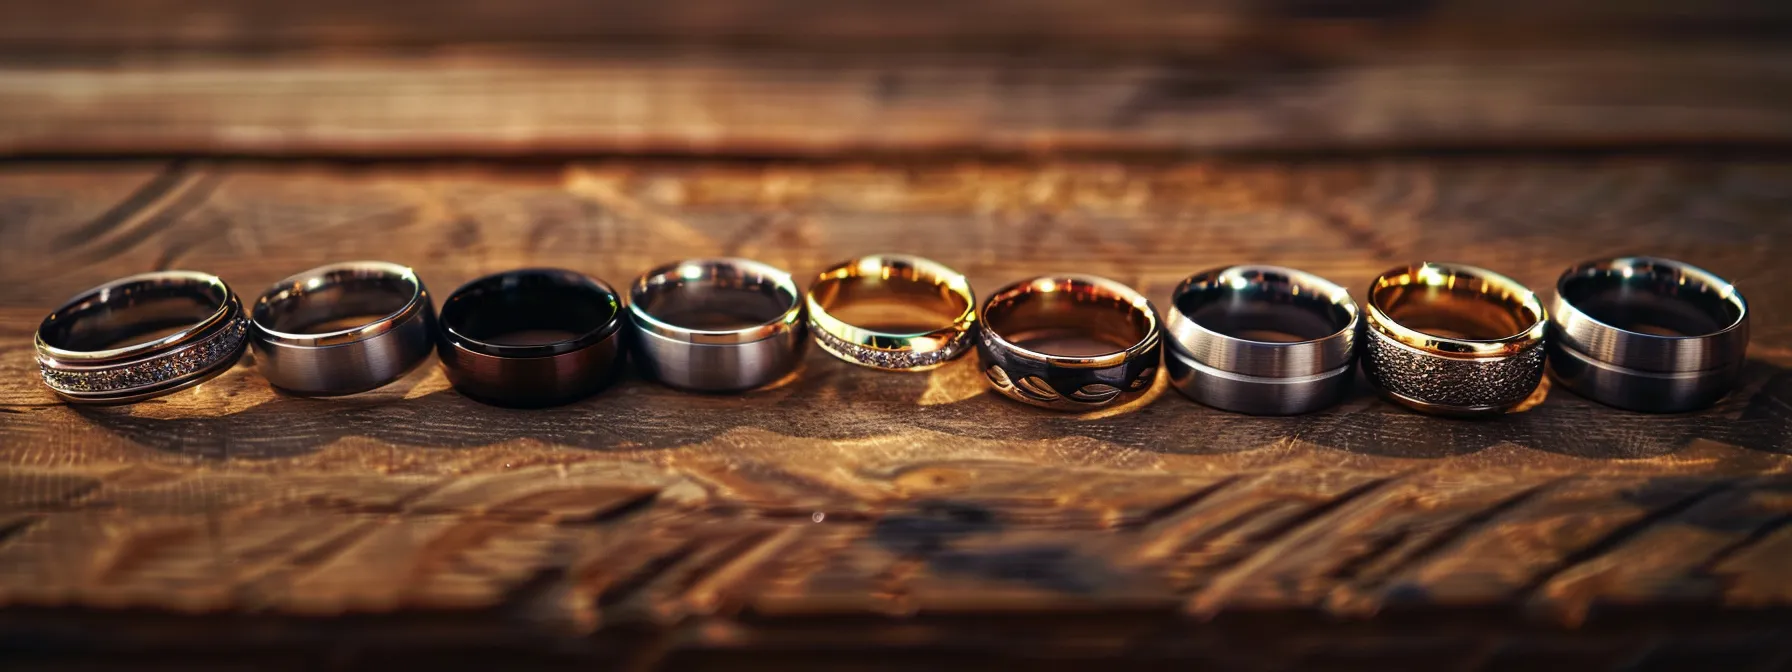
[836,77]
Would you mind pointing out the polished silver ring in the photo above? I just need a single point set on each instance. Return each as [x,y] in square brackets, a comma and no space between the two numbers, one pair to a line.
[342,328]
[717,325]
[1647,334]
[1263,340]
[113,344]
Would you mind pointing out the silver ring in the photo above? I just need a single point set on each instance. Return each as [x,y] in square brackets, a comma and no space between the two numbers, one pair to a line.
[1263,340]
[342,328]
[1647,334]
[78,345]
[717,325]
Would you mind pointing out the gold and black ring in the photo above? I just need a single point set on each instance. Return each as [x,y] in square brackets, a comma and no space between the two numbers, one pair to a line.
[140,337]
[531,337]
[906,313]
[1451,339]
[1647,334]
[1069,342]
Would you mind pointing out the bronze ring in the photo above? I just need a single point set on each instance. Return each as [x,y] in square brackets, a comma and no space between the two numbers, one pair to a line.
[531,337]
[1451,339]
[93,349]
[1070,342]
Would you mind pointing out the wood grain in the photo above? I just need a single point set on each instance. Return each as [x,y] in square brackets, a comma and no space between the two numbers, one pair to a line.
[846,513]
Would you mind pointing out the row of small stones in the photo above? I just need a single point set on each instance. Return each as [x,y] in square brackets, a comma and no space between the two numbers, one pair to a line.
[151,371]
[891,359]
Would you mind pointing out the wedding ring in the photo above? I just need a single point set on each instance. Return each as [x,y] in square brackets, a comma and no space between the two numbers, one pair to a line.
[1450,339]
[1069,343]
[892,312]
[342,328]
[716,325]
[1647,334]
[1263,340]
[140,337]
[531,337]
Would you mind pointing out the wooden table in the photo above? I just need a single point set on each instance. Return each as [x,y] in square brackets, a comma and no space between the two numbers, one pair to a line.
[865,519]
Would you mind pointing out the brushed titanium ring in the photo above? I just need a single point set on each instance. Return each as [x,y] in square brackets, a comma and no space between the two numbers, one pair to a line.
[531,337]
[342,328]
[716,325]
[92,350]
[892,312]
[1069,342]
[1263,340]
[1452,339]
[1647,334]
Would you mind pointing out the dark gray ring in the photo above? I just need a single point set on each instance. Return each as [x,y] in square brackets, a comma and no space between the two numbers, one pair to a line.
[1597,348]
[1258,377]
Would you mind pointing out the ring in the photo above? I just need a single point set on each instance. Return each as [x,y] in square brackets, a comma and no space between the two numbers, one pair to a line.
[342,328]
[1069,343]
[531,337]
[109,344]
[909,313]
[716,325]
[1451,339]
[1263,340]
[1647,334]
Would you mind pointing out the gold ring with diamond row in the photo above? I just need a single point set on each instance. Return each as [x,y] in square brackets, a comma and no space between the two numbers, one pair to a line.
[907,313]
[112,344]
[1451,339]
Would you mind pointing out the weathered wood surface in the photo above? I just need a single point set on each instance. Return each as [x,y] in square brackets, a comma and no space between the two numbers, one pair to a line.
[855,517]
[782,77]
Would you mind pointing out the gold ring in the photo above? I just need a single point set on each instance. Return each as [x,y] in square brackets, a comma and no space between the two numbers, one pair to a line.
[908,313]
[1451,339]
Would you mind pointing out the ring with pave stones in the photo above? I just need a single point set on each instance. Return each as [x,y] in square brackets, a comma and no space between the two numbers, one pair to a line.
[113,344]
[906,313]
[1454,340]
[1069,342]
[342,328]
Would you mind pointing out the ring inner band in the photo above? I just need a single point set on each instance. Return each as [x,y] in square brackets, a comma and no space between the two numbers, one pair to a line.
[1455,306]
[337,300]
[530,313]
[1274,310]
[1657,301]
[133,313]
[898,300]
[1068,318]
[716,297]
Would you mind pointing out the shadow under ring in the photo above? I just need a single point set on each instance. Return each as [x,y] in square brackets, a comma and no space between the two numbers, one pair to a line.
[1019,319]
[531,337]
[1453,339]
[77,344]
[716,325]
[1647,334]
[1262,340]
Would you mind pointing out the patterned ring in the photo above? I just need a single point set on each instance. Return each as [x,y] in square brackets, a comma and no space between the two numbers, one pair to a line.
[920,313]
[1025,320]
[77,345]
[1456,340]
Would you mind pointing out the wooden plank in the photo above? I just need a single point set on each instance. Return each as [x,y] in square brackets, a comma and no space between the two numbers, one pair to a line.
[862,511]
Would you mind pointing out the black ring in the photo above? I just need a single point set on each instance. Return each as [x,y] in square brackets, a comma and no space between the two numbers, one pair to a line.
[491,355]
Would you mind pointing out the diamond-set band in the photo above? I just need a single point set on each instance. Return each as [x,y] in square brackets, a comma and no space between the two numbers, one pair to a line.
[893,360]
[226,343]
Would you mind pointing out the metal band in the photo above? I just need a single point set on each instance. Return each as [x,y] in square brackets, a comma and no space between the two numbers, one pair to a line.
[1022,319]
[1220,322]
[1451,339]
[303,347]
[1647,334]
[531,337]
[716,325]
[906,285]
[77,344]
